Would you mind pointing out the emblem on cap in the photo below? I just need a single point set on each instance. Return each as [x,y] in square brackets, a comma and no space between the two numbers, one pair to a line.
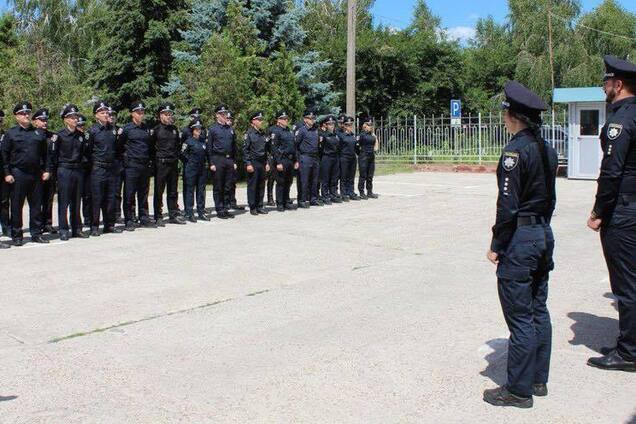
[614,131]
[510,161]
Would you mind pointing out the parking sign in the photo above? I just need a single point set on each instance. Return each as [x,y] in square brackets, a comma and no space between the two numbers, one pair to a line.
[456,112]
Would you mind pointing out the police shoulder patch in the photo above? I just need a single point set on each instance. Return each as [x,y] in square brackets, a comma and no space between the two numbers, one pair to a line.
[614,131]
[120,131]
[509,161]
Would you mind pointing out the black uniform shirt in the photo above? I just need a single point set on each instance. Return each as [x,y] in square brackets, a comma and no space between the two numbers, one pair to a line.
[522,186]
[166,140]
[307,141]
[330,143]
[137,142]
[103,143]
[283,145]
[221,141]
[256,146]
[25,149]
[69,148]
[618,168]
[348,144]
[195,150]
[366,140]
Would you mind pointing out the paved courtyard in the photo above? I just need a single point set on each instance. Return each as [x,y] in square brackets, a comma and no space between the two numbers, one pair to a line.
[382,311]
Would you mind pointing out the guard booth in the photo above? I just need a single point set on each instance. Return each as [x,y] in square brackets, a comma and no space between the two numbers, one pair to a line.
[586,117]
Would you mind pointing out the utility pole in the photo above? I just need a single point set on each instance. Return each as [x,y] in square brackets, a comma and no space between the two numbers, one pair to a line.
[351,57]
[550,42]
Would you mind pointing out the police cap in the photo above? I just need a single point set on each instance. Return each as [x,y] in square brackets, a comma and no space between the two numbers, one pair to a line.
[24,107]
[619,68]
[521,100]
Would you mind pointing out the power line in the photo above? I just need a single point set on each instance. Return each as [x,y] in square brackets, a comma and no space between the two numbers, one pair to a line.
[593,29]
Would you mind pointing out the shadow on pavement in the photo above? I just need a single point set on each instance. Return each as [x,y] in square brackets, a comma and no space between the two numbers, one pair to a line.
[593,331]
[497,361]
[7,398]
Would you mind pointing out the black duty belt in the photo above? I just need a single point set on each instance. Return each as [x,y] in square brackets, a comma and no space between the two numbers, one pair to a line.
[222,155]
[530,220]
[102,164]
[627,198]
[70,165]
[166,160]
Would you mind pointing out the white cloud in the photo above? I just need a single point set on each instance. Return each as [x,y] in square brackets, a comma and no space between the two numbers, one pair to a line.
[460,33]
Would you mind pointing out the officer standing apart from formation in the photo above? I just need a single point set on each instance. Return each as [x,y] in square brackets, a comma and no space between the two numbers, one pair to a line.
[614,213]
[348,148]
[195,171]
[221,157]
[522,247]
[40,121]
[329,162]
[67,160]
[166,140]
[24,150]
[284,159]
[138,150]
[368,145]
[256,149]
[105,152]
[5,192]
[308,148]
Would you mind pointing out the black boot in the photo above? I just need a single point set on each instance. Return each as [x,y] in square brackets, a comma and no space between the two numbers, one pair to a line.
[261,211]
[502,397]
[540,389]
[130,226]
[39,239]
[612,361]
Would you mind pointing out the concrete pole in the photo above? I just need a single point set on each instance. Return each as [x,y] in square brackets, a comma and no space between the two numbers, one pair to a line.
[351,57]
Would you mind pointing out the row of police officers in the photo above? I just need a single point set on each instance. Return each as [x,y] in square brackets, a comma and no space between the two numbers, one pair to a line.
[105,170]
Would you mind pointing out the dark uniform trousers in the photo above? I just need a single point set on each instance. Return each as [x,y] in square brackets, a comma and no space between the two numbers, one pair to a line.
[104,184]
[329,175]
[309,168]
[28,186]
[256,185]
[522,282]
[48,193]
[136,184]
[118,192]
[223,180]
[619,246]
[69,196]
[87,196]
[271,179]
[230,195]
[284,181]
[299,184]
[5,205]
[347,174]
[366,164]
[195,176]
[166,177]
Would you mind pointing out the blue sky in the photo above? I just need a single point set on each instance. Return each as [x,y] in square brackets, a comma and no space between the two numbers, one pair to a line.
[459,16]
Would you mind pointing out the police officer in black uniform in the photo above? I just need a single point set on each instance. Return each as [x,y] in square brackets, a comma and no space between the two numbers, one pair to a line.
[166,140]
[256,149]
[87,199]
[138,151]
[24,150]
[5,192]
[522,247]
[330,161]
[284,159]
[195,174]
[40,120]
[614,213]
[221,148]
[348,148]
[112,115]
[368,145]
[230,197]
[105,150]
[66,159]
[308,148]
[186,132]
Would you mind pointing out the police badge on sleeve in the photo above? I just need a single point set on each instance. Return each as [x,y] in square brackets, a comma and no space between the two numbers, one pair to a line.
[510,161]
[614,131]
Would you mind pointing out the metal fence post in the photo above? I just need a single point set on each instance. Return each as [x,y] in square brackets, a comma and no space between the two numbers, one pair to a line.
[414,139]
[479,120]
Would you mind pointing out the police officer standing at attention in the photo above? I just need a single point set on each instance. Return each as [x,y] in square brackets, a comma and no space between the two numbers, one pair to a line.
[230,198]
[40,120]
[330,162]
[24,150]
[255,152]
[5,191]
[87,206]
[105,151]
[167,147]
[522,247]
[308,148]
[368,143]
[614,213]
[348,148]
[284,159]
[195,173]
[67,160]
[137,144]
[112,114]
[221,155]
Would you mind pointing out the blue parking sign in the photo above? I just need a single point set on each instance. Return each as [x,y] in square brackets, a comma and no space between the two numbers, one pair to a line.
[456,108]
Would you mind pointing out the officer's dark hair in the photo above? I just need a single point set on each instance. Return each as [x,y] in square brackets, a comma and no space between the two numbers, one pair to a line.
[630,85]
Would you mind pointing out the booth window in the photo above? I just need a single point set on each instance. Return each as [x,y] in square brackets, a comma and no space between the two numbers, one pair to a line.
[589,120]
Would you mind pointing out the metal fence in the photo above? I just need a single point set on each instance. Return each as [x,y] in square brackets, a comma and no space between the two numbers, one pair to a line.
[479,139]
